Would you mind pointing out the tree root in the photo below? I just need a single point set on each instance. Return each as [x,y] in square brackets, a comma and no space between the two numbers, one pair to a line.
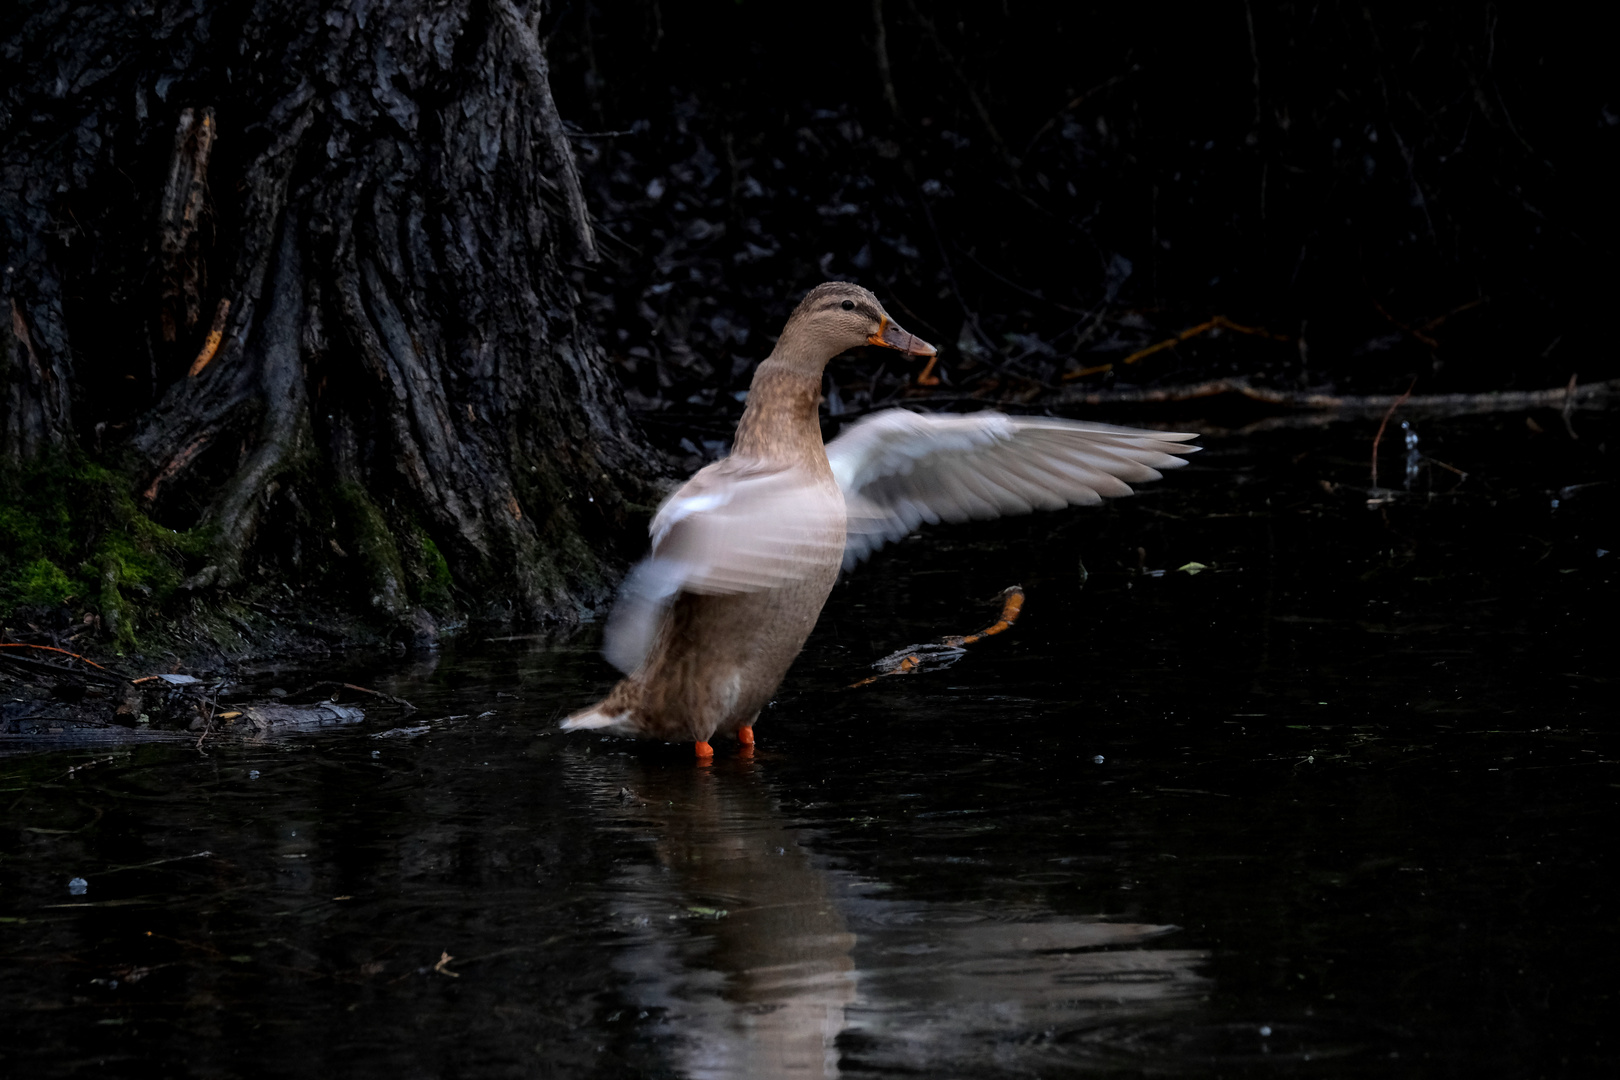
[283,434]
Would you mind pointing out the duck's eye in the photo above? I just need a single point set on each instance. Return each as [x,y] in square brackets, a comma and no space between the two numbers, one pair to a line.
[849,305]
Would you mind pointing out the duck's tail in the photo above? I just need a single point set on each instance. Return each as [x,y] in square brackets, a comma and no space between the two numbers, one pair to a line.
[601,717]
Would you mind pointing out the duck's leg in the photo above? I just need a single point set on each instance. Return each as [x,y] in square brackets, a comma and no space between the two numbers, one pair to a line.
[745,735]
[704,750]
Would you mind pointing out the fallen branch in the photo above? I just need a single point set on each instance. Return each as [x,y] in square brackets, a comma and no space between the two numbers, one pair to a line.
[1591,394]
[64,652]
[390,699]
[1218,322]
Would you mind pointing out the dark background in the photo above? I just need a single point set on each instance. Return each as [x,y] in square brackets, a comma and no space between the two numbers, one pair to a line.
[1415,192]
[1369,200]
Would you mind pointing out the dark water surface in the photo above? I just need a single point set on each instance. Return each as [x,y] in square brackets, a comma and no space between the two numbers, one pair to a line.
[1342,804]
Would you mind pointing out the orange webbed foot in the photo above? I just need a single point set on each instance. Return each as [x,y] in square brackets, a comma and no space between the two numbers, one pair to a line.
[745,735]
[705,752]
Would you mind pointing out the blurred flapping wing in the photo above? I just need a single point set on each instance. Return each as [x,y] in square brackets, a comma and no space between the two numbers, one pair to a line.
[736,526]
[899,469]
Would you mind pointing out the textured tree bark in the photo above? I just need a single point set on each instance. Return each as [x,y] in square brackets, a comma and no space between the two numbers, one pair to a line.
[298,270]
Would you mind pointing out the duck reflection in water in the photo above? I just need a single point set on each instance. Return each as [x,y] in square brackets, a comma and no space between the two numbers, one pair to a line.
[759,960]
[735,937]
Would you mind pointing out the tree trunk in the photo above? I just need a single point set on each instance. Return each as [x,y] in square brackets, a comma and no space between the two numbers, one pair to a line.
[300,274]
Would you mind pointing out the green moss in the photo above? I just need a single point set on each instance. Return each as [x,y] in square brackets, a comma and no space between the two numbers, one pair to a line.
[374,545]
[71,533]
[42,582]
[434,585]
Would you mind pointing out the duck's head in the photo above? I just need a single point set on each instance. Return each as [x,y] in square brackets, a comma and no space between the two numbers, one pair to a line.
[837,316]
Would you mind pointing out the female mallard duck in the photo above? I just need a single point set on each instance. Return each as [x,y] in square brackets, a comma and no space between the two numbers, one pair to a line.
[746,551]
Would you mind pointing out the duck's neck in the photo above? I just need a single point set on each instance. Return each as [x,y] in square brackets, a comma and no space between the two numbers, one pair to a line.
[781,422]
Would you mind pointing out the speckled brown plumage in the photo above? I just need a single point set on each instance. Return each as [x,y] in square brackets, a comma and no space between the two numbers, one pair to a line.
[716,658]
[744,554]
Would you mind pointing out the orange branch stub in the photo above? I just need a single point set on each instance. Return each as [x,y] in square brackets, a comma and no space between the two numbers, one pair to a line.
[926,377]
[181,460]
[216,334]
[919,658]
[53,648]
[1010,609]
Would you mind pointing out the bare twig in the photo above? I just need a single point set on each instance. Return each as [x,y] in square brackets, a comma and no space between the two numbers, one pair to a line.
[1384,423]
[1218,321]
[156,862]
[1254,55]
[1458,310]
[977,102]
[207,719]
[950,276]
[388,698]
[1569,406]
[1011,284]
[880,53]
[64,652]
[1075,103]
[1416,333]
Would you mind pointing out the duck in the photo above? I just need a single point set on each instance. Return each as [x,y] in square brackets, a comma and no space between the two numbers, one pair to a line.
[744,554]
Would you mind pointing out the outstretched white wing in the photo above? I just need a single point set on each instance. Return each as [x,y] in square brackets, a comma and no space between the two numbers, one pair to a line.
[899,469]
[736,526]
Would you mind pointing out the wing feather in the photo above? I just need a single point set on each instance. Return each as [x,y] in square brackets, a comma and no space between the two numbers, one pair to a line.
[736,526]
[899,469]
